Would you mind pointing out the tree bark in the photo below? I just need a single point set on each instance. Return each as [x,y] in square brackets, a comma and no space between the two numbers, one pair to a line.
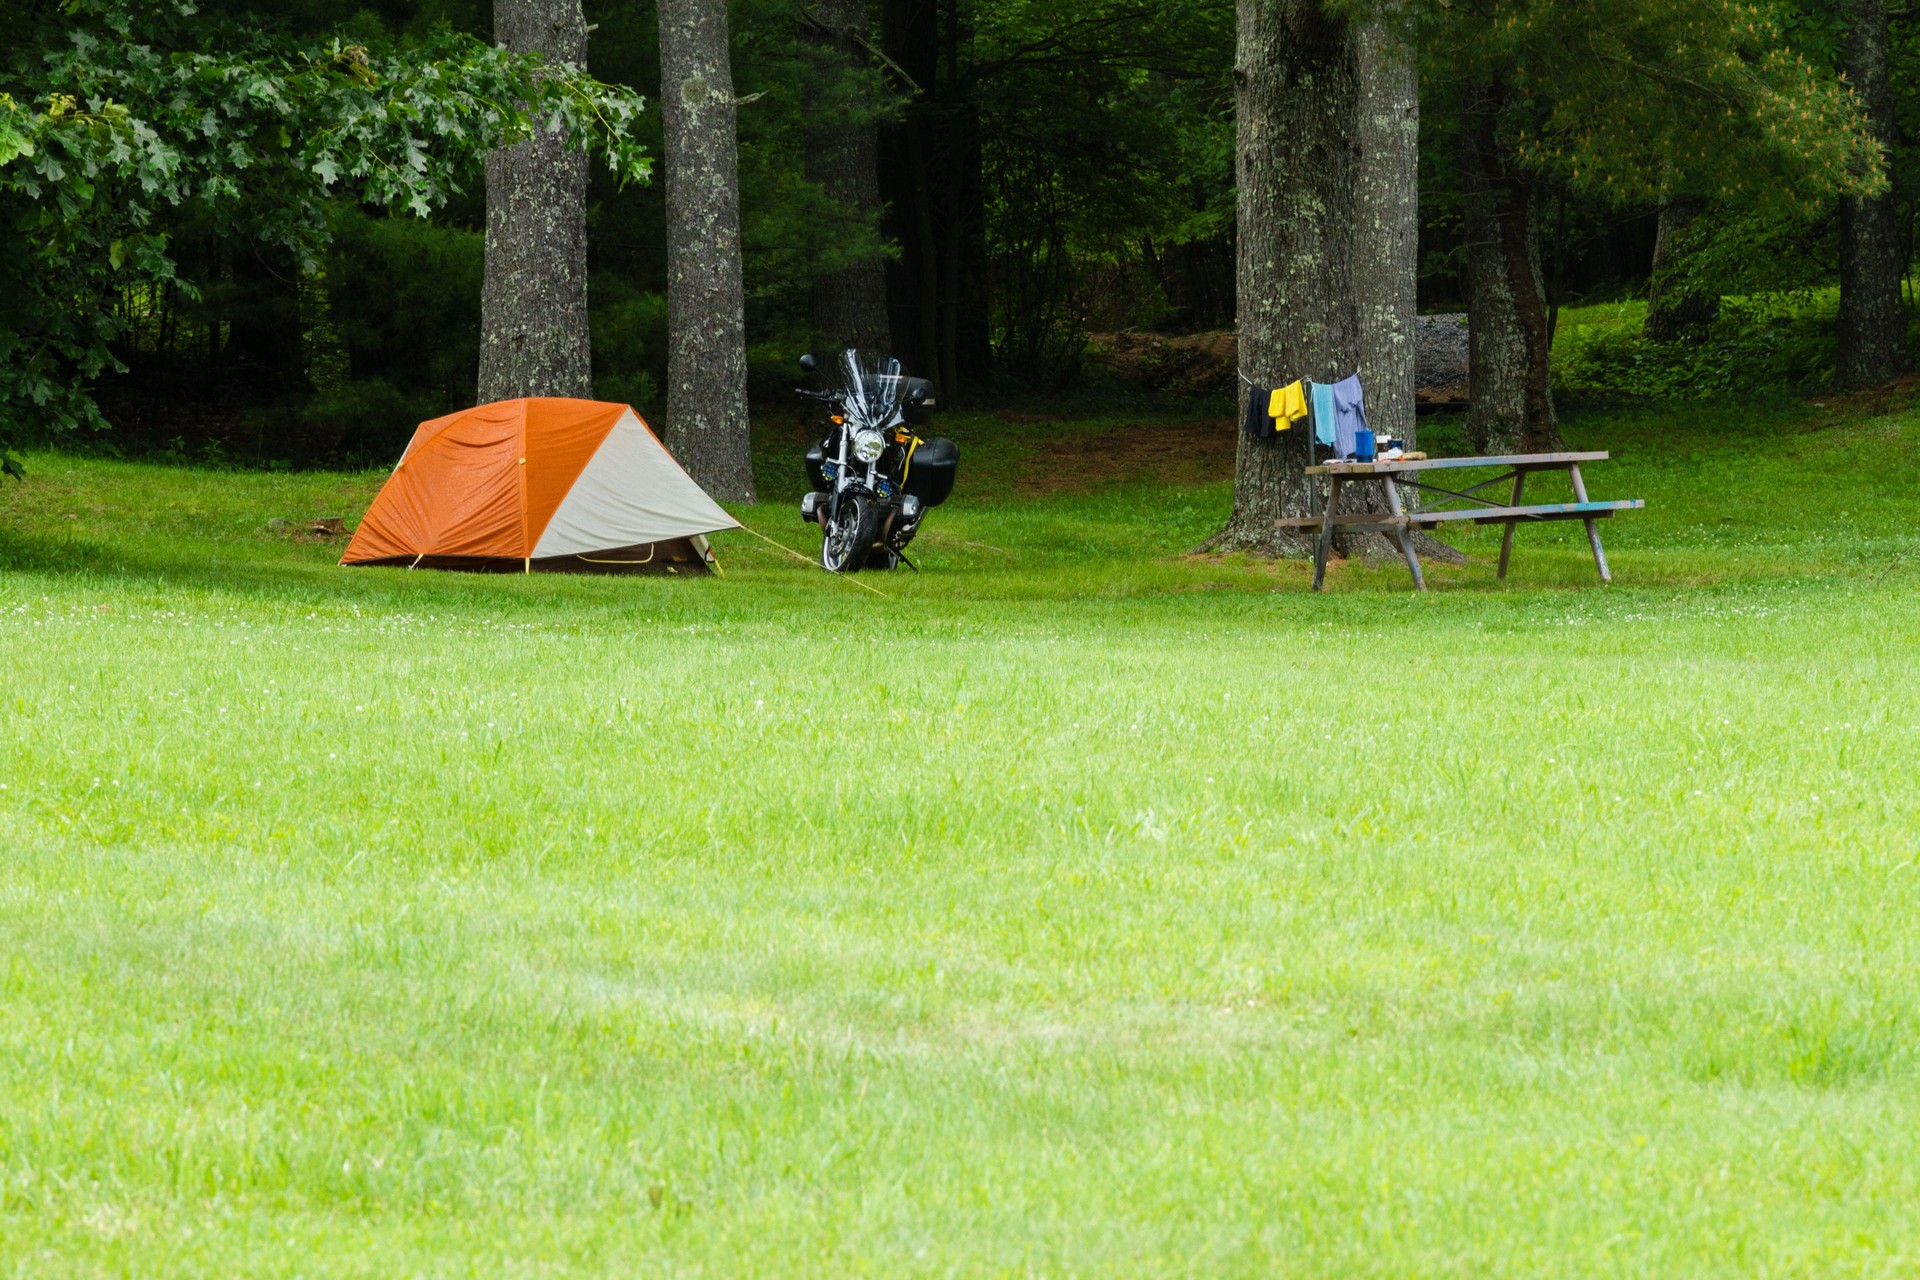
[1508,343]
[848,304]
[1872,323]
[707,425]
[1297,95]
[1386,255]
[534,337]
[1676,312]
[1387,229]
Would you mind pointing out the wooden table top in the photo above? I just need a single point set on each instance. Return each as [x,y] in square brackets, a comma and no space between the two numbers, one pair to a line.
[1437,464]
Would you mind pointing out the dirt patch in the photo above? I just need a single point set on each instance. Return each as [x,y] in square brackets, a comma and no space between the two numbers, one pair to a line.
[1184,453]
[320,529]
[1874,402]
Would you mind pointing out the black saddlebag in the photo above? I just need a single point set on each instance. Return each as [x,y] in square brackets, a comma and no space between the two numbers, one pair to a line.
[930,473]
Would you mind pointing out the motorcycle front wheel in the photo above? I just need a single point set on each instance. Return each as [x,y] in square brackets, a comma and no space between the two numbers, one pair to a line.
[849,537]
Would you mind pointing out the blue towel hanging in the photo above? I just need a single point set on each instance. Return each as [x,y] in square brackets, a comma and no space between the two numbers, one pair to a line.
[1324,414]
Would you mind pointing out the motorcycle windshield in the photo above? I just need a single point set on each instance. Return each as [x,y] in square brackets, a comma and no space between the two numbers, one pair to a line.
[874,385]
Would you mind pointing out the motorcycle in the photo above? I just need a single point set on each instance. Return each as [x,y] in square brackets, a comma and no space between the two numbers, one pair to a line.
[872,478]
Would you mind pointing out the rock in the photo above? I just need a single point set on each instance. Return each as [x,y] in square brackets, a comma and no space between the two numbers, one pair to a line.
[1440,351]
[279,524]
[329,526]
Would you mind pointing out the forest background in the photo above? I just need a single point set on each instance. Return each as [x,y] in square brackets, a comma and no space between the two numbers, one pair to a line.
[1051,176]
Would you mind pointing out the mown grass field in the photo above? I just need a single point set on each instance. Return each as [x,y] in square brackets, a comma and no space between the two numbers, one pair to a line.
[1079,908]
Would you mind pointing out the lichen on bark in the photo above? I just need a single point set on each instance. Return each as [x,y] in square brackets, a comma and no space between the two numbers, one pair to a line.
[1327,160]
[706,422]
[1296,90]
[534,335]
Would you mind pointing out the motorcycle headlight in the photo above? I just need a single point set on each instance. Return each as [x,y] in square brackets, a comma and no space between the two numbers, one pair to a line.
[869,445]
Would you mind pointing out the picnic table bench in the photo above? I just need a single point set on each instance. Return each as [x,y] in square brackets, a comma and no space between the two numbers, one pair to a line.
[1401,523]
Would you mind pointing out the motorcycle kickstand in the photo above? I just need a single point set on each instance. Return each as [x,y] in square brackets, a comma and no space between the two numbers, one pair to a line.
[902,557]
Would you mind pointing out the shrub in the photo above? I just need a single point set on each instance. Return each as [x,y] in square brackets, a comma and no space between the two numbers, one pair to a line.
[629,343]
[1755,345]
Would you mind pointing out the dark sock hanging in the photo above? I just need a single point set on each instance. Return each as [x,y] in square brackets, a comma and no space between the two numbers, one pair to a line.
[1257,423]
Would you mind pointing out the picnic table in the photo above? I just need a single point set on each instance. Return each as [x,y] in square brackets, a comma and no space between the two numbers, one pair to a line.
[1389,476]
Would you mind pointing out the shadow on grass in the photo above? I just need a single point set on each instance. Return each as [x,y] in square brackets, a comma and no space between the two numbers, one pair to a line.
[290,575]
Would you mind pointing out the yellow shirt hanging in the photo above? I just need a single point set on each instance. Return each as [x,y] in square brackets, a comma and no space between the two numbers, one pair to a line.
[1288,406]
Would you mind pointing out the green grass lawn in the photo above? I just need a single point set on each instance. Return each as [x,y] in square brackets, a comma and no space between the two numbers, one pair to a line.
[1080,908]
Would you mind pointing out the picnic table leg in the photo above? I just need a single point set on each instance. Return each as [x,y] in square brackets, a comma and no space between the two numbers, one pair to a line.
[1324,547]
[1506,539]
[1404,534]
[1593,527]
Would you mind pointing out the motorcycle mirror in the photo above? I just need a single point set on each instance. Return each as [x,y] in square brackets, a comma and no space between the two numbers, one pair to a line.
[808,363]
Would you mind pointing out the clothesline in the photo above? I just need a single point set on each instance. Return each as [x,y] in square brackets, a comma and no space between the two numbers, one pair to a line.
[1336,411]
[1250,382]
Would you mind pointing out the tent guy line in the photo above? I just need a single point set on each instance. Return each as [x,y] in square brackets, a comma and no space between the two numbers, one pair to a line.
[815,563]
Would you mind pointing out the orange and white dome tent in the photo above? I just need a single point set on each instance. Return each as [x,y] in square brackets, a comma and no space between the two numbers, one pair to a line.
[569,486]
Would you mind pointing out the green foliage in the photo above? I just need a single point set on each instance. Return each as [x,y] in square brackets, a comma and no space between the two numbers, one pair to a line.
[1747,249]
[1755,347]
[1107,134]
[162,164]
[116,114]
[1641,100]
[404,296]
[366,418]
[629,342]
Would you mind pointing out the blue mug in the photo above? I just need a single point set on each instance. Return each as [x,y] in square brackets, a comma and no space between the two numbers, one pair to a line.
[1363,445]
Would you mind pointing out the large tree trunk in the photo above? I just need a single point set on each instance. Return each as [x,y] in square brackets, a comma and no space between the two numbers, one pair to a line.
[1508,342]
[1297,94]
[848,306]
[534,339]
[1386,247]
[706,423]
[1673,311]
[1386,255]
[1872,323]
